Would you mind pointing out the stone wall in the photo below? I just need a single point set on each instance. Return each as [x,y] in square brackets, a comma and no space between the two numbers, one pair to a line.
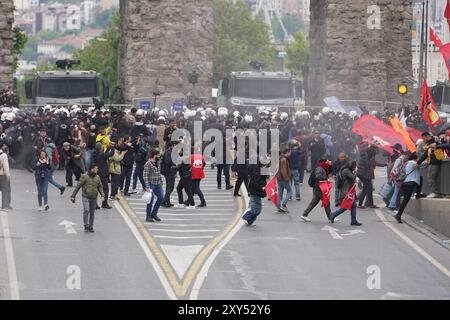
[6,43]
[165,40]
[351,57]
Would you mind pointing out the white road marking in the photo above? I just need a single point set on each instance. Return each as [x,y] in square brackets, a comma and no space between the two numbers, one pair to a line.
[333,232]
[148,254]
[212,256]
[184,238]
[195,219]
[183,231]
[10,260]
[186,225]
[413,245]
[188,214]
[181,257]
[69,227]
[352,232]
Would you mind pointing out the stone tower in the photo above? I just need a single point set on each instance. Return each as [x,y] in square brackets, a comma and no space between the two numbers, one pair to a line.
[360,49]
[6,43]
[165,40]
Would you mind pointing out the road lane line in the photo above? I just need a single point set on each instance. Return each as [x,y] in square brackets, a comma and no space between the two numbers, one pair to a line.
[148,253]
[203,273]
[183,231]
[413,245]
[183,238]
[11,263]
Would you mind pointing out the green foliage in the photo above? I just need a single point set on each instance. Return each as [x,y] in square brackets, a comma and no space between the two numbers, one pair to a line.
[20,40]
[68,48]
[298,53]
[101,55]
[238,39]
[292,24]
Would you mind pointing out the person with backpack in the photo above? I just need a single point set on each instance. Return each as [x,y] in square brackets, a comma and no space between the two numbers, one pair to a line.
[348,189]
[42,169]
[397,175]
[54,159]
[320,173]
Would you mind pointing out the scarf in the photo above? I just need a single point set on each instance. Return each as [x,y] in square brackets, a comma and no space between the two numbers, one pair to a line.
[326,166]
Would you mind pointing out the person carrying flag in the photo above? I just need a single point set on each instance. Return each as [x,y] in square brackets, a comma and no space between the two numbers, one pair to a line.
[348,194]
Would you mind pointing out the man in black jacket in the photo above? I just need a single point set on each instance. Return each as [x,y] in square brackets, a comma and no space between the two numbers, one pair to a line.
[127,166]
[168,173]
[434,162]
[185,173]
[100,158]
[256,189]
[365,174]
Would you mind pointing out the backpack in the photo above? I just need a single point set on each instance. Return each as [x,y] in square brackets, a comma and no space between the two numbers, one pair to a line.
[312,179]
[55,157]
[340,180]
[163,169]
[399,174]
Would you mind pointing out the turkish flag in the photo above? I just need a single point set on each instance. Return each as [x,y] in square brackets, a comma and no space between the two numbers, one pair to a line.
[347,203]
[378,133]
[445,52]
[326,187]
[272,191]
[428,107]
[447,13]
[434,37]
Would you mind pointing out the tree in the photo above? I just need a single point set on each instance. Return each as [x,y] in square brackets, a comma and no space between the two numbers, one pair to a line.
[68,48]
[293,24]
[238,39]
[101,55]
[298,53]
[20,40]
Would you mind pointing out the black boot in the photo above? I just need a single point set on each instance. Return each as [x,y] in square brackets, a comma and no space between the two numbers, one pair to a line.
[105,205]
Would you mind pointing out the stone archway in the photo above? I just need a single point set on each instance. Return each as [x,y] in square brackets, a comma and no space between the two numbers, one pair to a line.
[360,49]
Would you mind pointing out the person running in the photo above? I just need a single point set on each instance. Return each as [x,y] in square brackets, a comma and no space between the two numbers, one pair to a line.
[91,186]
[100,158]
[349,177]
[73,163]
[256,189]
[153,181]
[198,174]
[42,170]
[321,173]
[284,181]
[53,158]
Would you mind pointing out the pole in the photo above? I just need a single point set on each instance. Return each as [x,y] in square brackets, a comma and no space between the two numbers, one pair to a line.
[421,48]
[426,42]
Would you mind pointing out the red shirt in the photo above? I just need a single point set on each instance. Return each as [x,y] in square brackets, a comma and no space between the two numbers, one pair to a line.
[197,165]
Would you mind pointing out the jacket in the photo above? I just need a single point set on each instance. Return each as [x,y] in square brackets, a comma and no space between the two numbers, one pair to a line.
[4,164]
[91,187]
[73,156]
[100,158]
[257,182]
[284,171]
[80,134]
[364,167]
[43,170]
[114,162]
[349,180]
[151,173]
[197,166]
[49,149]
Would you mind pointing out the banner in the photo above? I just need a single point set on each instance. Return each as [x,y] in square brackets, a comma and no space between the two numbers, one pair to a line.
[428,107]
[347,203]
[376,132]
[414,134]
[434,37]
[326,187]
[272,191]
[398,126]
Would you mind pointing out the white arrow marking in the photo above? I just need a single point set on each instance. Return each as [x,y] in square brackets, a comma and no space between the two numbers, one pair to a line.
[69,227]
[333,232]
[352,232]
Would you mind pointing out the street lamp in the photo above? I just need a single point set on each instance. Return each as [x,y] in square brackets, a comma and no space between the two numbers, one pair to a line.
[403,90]
[156,94]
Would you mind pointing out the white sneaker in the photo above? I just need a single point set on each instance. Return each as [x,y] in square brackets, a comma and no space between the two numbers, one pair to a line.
[306,219]
[40,209]
[190,207]
[431,195]
[179,206]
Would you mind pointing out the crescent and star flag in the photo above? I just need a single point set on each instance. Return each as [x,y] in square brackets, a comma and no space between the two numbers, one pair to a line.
[347,203]
[435,38]
[447,13]
[326,187]
[398,126]
[376,132]
[428,107]
[272,191]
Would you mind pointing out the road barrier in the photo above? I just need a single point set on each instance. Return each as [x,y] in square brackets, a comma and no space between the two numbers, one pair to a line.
[443,180]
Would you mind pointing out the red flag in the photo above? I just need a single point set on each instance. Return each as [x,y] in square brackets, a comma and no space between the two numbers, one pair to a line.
[272,191]
[376,132]
[445,52]
[347,203]
[447,13]
[414,134]
[435,38]
[428,108]
[326,187]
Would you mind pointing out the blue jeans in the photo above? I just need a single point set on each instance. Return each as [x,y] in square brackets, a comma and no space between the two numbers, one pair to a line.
[340,211]
[198,191]
[88,158]
[393,202]
[296,180]
[42,187]
[281,186]
[138,173]
[158,193]
[254,209]
[52,181]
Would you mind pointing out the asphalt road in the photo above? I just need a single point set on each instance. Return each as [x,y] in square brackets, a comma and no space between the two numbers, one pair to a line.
[208,254]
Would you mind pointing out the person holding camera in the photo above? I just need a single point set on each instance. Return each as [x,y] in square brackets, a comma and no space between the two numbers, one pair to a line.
[42,169]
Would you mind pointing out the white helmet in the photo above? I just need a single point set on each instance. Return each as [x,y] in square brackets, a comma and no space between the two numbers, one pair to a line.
[353,114]
[162,118]
[203,113]
[248,118]
[200,109]
[161,113]
[203,118]
[47,107]
[326,110]
[236,114]
[374,113]
[10,116]
[208,110]
[74,107]
[187,114]
[306,114]
[298,114]
[284,116]
[140,113]
[91,109]
[213,113]
[222,112]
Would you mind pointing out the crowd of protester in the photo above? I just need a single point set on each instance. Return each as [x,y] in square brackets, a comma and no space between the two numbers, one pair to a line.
[111,151]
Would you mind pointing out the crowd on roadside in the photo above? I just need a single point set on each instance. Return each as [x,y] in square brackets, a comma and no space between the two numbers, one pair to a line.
[109,152]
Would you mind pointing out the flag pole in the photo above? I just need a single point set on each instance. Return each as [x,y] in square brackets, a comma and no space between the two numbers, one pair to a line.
[426,41]
[421,48]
